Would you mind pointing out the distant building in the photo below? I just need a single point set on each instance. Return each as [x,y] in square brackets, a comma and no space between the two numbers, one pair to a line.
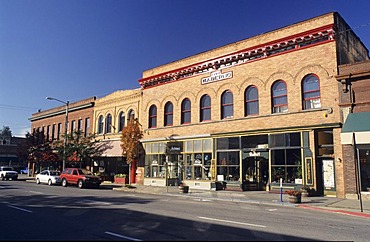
[9,151]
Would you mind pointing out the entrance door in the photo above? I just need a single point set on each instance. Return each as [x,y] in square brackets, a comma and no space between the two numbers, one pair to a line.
[255,173]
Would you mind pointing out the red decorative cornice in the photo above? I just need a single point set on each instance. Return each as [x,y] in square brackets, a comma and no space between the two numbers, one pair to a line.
[288,44]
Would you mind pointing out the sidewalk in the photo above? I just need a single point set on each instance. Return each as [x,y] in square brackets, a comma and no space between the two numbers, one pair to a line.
[329,204]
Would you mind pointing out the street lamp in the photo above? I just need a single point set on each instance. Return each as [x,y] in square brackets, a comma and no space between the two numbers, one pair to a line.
[65,128]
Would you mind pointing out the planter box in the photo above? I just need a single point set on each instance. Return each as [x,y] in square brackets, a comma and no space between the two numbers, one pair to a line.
[121,180]
[295,199]
[184,189]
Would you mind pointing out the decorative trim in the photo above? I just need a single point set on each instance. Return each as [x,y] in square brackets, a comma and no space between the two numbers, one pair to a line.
[302,40]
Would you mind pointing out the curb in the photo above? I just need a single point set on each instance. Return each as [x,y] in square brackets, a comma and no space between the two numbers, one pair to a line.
[339,211]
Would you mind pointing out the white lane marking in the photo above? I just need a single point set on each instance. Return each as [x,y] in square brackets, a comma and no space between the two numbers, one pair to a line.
[36,192]
[271,209]
[122,236]
[232,222]
[24,210]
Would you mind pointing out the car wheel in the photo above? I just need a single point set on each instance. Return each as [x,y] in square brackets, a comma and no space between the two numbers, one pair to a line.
[64,182]
[50,182]
[80,184]
[38,181]
[2,177]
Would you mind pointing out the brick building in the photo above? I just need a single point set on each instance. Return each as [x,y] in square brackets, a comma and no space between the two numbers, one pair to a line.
[52,121]
[355,109]
[252,113]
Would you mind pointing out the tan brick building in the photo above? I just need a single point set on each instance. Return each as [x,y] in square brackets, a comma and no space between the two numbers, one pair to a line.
[111,114]
[253,112]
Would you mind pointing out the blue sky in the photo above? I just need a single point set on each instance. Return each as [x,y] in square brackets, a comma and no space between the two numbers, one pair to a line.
[76,49]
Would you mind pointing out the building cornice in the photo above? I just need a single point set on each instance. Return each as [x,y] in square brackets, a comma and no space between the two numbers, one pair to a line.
[280,46]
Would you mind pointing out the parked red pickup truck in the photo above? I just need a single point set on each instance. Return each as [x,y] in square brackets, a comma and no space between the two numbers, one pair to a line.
[80,177]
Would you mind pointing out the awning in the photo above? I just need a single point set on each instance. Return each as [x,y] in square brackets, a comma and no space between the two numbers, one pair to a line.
[359,124]
[113,149]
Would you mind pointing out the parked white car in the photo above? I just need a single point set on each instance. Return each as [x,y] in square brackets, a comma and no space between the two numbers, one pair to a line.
[7,172]
[49,177]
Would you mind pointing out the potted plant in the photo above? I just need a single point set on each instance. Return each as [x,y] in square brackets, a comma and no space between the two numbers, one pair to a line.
[305,190]
[183,188]
[295,196]
[121,178]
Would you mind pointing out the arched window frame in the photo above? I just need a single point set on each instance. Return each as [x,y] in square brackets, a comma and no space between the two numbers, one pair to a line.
[152,116]
[311,92]
[186,111]
[227,104]
[108,124]
[205,108]
[168,114]
[121,121]
[100,124]
[279,94]
[251,97]
[130,113]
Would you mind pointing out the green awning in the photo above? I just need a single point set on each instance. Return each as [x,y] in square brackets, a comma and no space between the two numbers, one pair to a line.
[358,125]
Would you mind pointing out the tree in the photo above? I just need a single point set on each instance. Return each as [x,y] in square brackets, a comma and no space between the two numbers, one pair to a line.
[130,141]
[5,132]
[38,149]
[80,149]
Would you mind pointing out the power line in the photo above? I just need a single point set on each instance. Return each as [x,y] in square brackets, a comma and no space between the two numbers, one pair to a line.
[17,107]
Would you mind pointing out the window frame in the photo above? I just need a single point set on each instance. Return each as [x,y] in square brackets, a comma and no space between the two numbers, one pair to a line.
[186,111]
[168,114]
[225,106]
[276,108]
[100,124]
[205,111]
[248,100]
[305,92]
[152,122]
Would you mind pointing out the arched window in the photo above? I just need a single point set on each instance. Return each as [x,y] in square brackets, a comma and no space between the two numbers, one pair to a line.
[279,97]
[227,105]
[153,116]
[311,92]
[121,121]
[205,108]
[186,111]
[130,114]
[100,124]
[168,114]
[251,101]
[108,124]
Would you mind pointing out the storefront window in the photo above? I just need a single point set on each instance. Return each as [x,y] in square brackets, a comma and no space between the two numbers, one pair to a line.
[228,166]
[286,157]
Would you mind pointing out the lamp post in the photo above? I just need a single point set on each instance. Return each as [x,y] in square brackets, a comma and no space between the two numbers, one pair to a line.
[65,128]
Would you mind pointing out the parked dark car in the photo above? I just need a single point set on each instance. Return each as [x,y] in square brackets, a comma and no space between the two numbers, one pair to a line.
[81,177]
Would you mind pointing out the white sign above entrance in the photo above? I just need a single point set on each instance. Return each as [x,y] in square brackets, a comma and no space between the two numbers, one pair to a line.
[217,76]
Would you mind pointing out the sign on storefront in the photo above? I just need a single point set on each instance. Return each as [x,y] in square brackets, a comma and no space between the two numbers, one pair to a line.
[217,76]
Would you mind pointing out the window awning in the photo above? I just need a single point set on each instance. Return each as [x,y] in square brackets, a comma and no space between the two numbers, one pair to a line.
[113,149]
[359,124]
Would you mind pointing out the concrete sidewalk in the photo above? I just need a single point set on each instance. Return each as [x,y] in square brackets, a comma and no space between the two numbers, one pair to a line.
[329,204]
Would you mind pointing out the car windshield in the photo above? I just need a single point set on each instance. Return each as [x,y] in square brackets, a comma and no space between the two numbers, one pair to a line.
[7,169]
[84,171]
[54,173]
